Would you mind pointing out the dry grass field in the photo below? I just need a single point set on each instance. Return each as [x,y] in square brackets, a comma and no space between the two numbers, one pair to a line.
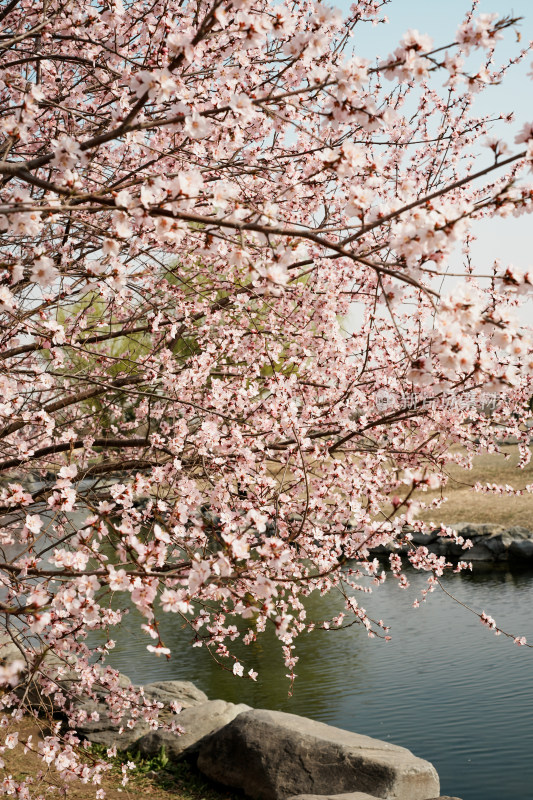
[466,505]
[150,779]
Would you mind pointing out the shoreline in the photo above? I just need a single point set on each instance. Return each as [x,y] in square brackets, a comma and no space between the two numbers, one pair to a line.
[490,543]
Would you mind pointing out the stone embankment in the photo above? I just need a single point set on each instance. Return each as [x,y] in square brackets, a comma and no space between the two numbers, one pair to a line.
[490,543]
[269,755]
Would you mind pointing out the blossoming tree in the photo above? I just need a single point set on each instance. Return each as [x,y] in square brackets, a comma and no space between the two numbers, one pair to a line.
[224,239]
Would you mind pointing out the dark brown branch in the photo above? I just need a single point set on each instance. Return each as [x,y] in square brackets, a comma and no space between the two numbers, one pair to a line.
[8,9]
[64,447]
[128,380]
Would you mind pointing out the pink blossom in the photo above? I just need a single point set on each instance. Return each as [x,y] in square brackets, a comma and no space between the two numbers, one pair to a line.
[158,650]
[526,134]
[242,106]
[43,271]
[175,601]
[197,126]
[68,152]
[480,31]
[7,300]
[190,182]
[69,471]
[34,523]
[122,225]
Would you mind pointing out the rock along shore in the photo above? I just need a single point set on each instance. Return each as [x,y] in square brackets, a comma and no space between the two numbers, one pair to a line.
[269,755]
[272,755]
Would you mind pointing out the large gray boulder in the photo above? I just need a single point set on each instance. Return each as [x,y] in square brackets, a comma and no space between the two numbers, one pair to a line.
[474,530]
[353,796]
[521,550]
[495,543]
[183,692]
[346,796]
[272,755]
[104,731]
[424,539]
[9,651]
[67,681]
[521,547]
[197,722]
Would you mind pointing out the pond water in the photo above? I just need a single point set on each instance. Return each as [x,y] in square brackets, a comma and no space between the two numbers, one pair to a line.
[445,686]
